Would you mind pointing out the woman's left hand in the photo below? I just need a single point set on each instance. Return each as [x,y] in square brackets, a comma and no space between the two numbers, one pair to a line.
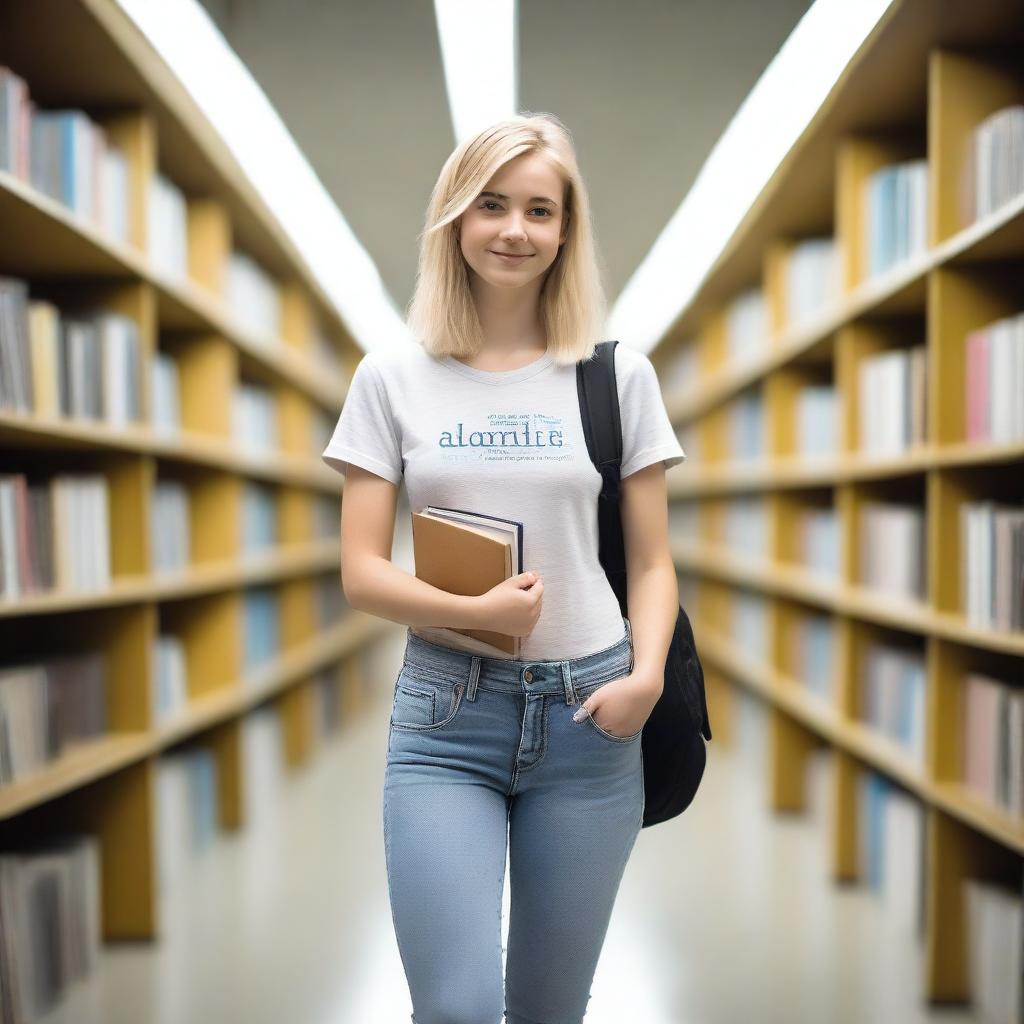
[624,704]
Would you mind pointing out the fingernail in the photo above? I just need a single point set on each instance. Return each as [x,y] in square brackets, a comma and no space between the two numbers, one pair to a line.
[578,717]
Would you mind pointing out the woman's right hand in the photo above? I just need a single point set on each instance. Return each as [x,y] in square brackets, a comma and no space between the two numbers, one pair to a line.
[513,606]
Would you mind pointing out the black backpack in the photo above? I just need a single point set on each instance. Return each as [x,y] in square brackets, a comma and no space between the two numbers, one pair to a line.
[674,753]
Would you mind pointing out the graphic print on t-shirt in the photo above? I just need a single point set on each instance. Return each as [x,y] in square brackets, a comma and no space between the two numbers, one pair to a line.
[507,437]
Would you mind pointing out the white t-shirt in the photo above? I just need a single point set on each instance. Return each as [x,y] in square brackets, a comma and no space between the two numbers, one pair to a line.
[446,429]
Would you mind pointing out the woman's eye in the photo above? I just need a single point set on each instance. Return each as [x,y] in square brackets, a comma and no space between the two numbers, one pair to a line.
[488,203]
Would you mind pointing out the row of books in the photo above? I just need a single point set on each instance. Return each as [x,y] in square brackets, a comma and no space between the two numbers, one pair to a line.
[51,934]
[994,381]
[746,526]
[812,279]
[47,707]
[992,749]
[167,227]
[259,517]
[812,657]
[891,849]
[817,540]
[165,406]
[892,695]
[52,364]
[892,548]
[746,325]
[261,626]
[995,950]
[253,296]
[992,564]
[65,155]
[891,390]
[895,208]
[186,810]
[170,529]
[995,165]
[749,625]
[254,417]
[817,420]
[746,424]
[170,677]
[54,533]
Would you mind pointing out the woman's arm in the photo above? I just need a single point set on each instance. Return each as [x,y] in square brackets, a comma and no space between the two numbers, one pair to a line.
[370,582]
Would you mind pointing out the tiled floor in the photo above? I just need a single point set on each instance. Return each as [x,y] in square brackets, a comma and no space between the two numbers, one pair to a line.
[726,915]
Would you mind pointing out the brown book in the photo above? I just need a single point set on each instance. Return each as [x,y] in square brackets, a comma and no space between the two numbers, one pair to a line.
[468,553]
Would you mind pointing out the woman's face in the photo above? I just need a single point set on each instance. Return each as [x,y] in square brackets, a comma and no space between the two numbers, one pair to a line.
[523,214]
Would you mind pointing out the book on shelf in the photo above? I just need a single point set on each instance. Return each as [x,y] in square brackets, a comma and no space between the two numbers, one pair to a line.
[992,564]
[65,155]
[992,749]
[896,222]
[166,391]
[51,923]
[812,279]
[47,707]
[892,849]
[995,164]
[170,676]
[893,696]
[167,227]
[466,552]
[891,397]
[85,365]
[994,381]
[261,626]
[892,549]
[253,296]
[995,941]
[54,533]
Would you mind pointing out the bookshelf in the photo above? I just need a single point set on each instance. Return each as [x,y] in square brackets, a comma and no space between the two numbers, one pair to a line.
[239,365]
[835,528]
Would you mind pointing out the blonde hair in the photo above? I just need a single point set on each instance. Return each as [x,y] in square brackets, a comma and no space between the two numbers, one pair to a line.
[442,314]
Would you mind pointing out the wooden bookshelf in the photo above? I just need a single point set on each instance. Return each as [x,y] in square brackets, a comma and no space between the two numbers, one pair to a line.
[101,64]
[921,83]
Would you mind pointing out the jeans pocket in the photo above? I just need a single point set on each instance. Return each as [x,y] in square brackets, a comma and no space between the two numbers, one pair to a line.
[611,736]
[422,702]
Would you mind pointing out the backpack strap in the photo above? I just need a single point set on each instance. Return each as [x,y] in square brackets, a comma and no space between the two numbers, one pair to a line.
[602,428]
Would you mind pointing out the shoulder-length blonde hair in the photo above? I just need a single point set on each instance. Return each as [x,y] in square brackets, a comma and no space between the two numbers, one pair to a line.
[442,314]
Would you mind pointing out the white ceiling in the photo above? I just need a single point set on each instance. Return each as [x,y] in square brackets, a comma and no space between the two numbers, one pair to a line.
[645,88]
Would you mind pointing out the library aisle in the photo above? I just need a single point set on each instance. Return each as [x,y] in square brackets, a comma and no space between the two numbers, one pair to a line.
[725,914]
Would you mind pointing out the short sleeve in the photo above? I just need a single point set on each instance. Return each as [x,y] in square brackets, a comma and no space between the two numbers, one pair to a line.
[647,433]
[365,433]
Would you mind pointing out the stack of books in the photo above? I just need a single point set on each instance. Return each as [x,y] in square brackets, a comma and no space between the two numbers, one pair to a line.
[469,553]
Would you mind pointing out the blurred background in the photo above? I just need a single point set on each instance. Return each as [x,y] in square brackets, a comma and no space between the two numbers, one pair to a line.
[809,215]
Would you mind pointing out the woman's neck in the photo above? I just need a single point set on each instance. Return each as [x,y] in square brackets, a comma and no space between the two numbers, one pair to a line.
[510,323]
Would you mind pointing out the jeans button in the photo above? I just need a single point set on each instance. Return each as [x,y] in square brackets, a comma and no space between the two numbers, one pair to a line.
[528,676]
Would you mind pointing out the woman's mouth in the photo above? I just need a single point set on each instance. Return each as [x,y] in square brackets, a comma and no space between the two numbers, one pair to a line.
[513,260]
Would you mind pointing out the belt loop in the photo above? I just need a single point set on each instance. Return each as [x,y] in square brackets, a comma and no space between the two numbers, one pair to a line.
[474,676]
[570,686]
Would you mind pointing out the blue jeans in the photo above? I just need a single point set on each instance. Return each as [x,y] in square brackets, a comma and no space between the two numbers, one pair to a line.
[484,751]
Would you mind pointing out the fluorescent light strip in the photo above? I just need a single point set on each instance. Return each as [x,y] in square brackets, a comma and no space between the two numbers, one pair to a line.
[190,43]
[478,51]
[742,161]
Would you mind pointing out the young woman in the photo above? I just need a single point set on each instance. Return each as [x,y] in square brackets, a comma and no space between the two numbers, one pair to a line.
[538,756]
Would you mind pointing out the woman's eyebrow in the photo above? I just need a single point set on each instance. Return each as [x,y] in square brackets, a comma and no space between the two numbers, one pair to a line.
[535,199]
